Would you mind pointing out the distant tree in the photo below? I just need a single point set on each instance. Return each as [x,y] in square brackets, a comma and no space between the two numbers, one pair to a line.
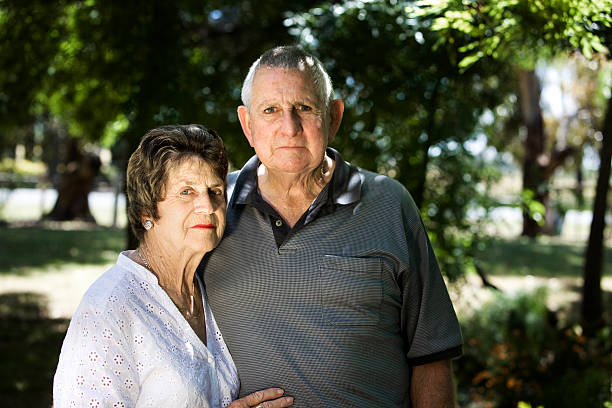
[592,306]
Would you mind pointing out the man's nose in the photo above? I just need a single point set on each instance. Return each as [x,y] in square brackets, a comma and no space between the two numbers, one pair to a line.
[291,122]
[203,204]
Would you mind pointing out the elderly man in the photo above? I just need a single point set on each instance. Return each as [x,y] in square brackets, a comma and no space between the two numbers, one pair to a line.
[325,284]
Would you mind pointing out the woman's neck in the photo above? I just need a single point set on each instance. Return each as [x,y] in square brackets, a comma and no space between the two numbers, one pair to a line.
[175,273]
[175,276]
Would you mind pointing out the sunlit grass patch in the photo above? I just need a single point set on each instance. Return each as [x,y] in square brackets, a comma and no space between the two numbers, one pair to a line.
[28,249]
[543,257]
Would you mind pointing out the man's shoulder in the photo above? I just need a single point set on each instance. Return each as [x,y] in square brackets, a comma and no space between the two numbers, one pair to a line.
[381,183]
[231,182]
[232,177]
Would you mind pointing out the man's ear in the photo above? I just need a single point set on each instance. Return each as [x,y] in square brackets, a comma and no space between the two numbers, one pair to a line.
[336,110]
[245,122]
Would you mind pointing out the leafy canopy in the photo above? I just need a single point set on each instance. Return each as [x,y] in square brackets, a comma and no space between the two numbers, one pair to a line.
[518,31]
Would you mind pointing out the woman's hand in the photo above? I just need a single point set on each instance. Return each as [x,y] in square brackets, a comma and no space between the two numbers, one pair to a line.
[268,398]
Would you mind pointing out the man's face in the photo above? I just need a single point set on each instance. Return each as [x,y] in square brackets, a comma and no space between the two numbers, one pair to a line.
[287,124]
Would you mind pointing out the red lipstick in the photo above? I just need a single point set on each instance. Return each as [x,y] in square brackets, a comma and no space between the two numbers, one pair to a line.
[203,226]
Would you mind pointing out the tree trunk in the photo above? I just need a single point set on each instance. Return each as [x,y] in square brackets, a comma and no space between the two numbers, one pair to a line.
[75,184]
[533,166]
[592,309]
[418,194]
[538,165]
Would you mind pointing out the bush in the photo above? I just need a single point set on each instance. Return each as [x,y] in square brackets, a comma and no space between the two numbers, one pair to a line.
[514,352]
[20,173]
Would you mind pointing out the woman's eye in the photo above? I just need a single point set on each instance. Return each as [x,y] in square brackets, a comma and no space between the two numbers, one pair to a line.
[304,108]
[216,192]
[186,192]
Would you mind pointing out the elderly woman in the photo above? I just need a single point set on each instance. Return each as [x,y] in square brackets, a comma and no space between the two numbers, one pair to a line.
[143,335]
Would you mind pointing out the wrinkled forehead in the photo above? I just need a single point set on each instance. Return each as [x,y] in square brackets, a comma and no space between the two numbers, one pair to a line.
[276,78]
[193,169]
[265,71]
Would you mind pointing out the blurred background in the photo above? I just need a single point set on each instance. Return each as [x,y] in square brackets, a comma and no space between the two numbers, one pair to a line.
[496,115]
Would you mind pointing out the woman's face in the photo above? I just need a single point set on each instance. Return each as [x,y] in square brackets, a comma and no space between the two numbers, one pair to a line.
[192,213]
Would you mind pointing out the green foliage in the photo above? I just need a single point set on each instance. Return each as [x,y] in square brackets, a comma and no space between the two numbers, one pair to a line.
[523,404]
[457,200]
[110,71]
[514,352]
[21,167]
[30,34]
[19,173]
[519,31]
[535,209]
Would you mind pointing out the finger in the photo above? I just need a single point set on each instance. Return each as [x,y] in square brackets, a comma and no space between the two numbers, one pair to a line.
[257,397]
[276,403]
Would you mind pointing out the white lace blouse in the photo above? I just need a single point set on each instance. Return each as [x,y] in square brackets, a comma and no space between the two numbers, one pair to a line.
[129,346]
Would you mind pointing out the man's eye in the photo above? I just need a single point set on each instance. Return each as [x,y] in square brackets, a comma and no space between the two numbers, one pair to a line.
[270,110]
[186,192]
[304,108]
[216,191]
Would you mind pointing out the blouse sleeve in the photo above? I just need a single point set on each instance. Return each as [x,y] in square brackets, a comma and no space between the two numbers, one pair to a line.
[96,366]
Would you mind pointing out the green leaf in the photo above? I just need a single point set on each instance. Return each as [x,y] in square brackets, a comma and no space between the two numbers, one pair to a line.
[470,60]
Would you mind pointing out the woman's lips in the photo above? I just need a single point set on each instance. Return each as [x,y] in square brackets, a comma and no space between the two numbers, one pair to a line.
[203,226]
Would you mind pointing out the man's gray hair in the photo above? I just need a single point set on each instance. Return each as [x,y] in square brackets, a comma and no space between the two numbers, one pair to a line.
[291,57]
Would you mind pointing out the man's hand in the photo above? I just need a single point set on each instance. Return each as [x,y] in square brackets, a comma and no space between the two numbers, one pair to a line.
[432,385]
[268,398]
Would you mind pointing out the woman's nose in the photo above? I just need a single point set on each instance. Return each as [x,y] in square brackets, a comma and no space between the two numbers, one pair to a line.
[203,204]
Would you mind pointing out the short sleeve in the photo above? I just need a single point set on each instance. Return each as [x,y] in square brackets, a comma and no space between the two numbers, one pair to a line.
[96,367]
[429,322]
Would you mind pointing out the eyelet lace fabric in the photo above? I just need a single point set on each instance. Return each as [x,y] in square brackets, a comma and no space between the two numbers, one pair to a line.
[129,346]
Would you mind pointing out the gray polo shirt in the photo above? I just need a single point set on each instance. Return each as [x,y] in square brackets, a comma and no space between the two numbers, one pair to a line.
[337,309]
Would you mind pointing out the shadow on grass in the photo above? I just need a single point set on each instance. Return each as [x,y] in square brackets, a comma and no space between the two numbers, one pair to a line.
[30,343]
[542,257]
[24,248]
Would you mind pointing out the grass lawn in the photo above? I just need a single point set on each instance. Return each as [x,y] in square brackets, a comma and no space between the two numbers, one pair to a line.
[544,257]
[29,249]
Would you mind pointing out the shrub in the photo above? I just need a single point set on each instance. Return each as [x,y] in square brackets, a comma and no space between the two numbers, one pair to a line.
[515,353]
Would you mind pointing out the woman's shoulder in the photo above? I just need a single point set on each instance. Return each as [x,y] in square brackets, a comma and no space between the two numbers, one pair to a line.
[114,284]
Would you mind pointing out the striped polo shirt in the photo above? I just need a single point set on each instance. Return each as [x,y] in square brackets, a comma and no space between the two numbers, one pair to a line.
[337,309]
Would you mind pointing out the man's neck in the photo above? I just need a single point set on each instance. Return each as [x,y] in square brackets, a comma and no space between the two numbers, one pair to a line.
[291,195]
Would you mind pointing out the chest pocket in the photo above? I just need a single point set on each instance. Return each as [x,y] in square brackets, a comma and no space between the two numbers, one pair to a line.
[351,290]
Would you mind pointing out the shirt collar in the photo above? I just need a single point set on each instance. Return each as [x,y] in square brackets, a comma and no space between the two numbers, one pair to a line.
[345,183]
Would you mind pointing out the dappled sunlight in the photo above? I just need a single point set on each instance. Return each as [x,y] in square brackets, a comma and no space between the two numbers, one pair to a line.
[62,287]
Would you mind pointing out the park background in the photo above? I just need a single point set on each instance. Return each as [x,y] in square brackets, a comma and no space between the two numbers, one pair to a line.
[495,114]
